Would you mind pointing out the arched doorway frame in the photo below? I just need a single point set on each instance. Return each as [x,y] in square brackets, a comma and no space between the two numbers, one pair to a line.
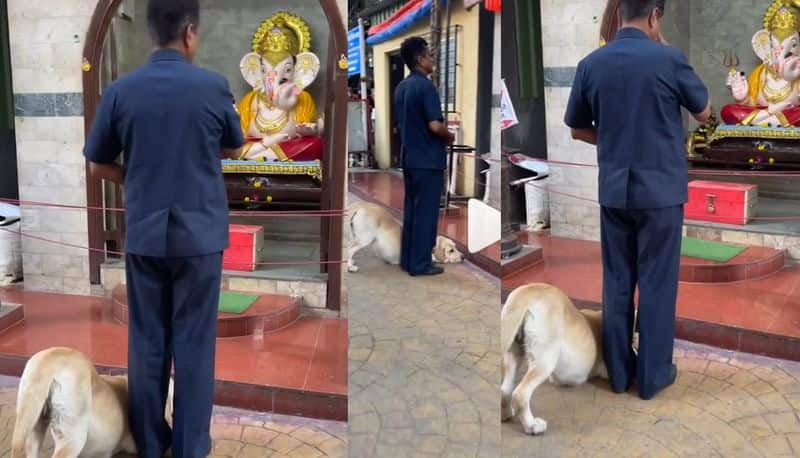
[334,163]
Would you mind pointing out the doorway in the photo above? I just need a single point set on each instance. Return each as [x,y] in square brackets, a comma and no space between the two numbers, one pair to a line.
[397,73]
[9,184]
[105,32]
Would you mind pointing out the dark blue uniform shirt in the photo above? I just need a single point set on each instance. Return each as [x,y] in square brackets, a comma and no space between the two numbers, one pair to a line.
[632,91]
[170,120]
[417,103]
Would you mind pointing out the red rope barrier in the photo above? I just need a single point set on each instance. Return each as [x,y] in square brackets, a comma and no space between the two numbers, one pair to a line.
[693,171]
[577,197]
[287,214]
[119,253]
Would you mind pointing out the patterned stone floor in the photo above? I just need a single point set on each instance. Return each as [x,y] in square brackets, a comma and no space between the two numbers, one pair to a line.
[236,433]
[724,404]
[423,367]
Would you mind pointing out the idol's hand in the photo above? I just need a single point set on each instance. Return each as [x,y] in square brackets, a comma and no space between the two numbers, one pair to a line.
[287,95]
[274,139]
[737,82]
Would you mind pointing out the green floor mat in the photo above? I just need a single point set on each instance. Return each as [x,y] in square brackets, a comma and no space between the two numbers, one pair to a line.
[711,251]
[230,302]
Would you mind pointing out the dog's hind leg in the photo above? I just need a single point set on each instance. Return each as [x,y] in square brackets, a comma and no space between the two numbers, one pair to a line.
[354,248]
[71,410]
[34,441]
[539,370]
[511,361]
[71,440]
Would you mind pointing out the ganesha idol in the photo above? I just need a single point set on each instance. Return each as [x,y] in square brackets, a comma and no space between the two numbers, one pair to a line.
[279,117]
[770,95]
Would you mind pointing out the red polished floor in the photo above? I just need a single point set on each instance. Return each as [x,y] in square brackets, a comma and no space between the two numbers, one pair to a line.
[769,306]
[386,188]
[307,357]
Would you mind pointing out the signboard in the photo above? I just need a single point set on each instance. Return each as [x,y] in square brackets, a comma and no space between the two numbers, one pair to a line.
[508,117]
[354,52]
[356,135]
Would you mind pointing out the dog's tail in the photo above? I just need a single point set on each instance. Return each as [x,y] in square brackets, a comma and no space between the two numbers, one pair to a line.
[511,318]
[351,221]
[34,391]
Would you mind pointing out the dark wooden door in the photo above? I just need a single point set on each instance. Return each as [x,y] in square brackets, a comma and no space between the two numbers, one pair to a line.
[396,75]
[9,185]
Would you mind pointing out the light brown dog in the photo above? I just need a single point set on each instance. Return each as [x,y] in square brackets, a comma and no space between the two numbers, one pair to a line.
[373,225]
[86,413]
[540,324]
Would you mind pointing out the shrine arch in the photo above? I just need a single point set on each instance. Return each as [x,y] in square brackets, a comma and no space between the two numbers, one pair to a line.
[334,162]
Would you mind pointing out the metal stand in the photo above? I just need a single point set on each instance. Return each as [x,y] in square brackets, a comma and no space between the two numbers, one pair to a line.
[452,150]
[509,242]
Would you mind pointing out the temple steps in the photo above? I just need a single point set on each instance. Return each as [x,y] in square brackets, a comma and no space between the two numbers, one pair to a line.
[270,312]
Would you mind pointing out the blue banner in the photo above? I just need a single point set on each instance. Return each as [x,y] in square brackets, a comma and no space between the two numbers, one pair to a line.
[354,52]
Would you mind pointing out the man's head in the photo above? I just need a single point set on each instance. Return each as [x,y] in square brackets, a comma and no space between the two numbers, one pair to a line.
[643,14]
[416,55]
[174,24]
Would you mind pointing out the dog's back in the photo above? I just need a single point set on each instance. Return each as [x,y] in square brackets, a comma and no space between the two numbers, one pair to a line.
[542,316]
[540,324]
[47,373]
[536,299]
[372,224]
[60,389]
[366,213]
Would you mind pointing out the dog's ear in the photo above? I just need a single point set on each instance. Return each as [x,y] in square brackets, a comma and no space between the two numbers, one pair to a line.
[439,250]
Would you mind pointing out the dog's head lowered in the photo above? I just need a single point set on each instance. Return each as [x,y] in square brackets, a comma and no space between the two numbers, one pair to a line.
[445,251]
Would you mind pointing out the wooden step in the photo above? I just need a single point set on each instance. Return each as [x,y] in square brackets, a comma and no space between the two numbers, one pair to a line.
[529,256]
[268,313]
[753,262]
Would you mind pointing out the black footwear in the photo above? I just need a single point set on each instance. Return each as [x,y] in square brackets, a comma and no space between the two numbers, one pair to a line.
[673,375]
[624,390]
[432,270]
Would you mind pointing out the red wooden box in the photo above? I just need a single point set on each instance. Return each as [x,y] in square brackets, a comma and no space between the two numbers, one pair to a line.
[721,202]
[244,250]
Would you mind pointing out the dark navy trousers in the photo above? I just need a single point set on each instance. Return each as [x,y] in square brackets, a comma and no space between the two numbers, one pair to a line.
[423,190]
[172,319]
[640,248]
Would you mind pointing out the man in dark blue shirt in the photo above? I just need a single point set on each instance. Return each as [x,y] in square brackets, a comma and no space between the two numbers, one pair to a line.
[627,99]
[423,136]
[171,120]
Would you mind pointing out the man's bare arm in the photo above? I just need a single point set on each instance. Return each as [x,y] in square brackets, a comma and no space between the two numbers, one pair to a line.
[704,115]
[438,128]
[109,172]
[585,135]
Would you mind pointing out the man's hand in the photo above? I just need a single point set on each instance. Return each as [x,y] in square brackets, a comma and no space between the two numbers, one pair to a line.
[450,138]
[440,130]
[704,115]
[228,153]
[109,172]
[585,135]
[305,130]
